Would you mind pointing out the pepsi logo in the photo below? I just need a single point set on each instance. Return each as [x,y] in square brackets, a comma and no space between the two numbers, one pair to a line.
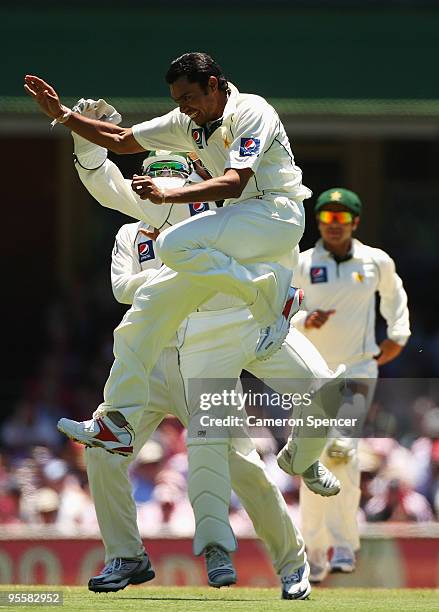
[145,251]
[198,207]
[249,146]
[197,135]
[319,274]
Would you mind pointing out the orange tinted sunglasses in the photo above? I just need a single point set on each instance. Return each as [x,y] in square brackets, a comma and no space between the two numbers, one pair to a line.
[329,216]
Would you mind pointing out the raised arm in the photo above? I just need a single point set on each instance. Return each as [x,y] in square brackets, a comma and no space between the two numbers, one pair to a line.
[117,139]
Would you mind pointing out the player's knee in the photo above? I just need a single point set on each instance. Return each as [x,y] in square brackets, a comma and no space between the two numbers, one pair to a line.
[167,245]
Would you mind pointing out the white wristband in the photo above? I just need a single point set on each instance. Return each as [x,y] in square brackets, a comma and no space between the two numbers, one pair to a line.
[62,118]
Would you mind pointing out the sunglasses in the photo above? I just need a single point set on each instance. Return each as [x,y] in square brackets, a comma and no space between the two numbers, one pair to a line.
[329,216]
[167,168]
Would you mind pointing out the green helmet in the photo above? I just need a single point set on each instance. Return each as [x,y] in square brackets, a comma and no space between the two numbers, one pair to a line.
[166,164]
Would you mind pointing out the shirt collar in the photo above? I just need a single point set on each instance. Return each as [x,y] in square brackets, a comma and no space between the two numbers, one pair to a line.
[354,253]
[230,107]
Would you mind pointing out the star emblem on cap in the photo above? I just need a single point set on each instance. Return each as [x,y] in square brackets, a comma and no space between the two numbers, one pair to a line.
[335,196]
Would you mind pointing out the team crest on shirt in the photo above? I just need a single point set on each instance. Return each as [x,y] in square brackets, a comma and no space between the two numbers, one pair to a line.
[318,274]
[198,207]
[358,277]
[249,146]
[197,135]
[145,251]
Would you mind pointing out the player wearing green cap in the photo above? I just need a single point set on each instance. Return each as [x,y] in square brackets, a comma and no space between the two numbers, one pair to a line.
[341,276]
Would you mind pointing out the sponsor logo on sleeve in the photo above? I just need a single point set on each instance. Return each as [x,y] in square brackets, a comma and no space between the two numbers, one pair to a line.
[249,146]
[197,135]
[145,251]
[319,274]
[198,207]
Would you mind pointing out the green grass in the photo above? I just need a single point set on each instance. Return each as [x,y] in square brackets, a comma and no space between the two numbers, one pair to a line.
[235,599]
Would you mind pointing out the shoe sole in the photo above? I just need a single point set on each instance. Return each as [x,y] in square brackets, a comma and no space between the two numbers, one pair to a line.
[304,595]
[227,582]
[102,588]
[276,344]
[323,492]
[93,444]
[284,465]
[342,569]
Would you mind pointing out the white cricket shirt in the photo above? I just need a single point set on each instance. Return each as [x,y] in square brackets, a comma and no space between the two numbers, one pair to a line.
[349,287]
[251,135]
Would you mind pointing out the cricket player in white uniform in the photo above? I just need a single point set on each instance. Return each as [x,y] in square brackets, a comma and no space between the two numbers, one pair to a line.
[105,182]
[341,276]
[244,249]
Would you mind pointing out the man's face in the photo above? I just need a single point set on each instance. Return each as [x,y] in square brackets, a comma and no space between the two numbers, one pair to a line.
[334,231]
[201,105]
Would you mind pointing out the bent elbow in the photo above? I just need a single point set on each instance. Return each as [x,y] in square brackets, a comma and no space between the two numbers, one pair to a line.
[124,143]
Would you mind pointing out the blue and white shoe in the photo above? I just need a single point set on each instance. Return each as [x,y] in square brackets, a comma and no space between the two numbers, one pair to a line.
[343,560]
[297,585]
[220,570]
[271,338]
[120,572]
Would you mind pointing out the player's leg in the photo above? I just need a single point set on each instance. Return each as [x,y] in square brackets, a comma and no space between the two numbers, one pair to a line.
[268,512]
[219,249]
[211,347]
[341,517]
[298,367]
[313,510]
[158,309]
[125,559]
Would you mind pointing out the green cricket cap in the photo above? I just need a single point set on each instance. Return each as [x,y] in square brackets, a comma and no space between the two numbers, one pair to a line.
[339,195]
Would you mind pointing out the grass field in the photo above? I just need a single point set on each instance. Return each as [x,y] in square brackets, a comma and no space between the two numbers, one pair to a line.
[235,599]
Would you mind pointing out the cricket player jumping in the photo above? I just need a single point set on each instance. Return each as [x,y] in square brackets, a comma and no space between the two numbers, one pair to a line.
[341,277]
[133,251]
[241,249]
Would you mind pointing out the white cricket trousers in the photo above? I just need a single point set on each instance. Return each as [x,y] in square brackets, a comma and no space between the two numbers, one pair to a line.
[112,491]
[328,522]
[230,250]
[217,347]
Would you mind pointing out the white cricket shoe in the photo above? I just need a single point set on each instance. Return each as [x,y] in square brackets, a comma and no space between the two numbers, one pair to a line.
[317,477]
[111,432]
[271,338]
[220,570]
[120,572]
[297,585]
[343,560]
[318,565]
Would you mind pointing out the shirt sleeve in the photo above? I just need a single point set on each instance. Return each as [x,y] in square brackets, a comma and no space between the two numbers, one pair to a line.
[255,130]
[126,273]
[169,132]
[393,305]
[108,186]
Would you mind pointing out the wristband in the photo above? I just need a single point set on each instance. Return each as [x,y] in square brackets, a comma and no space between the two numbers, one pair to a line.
[62,118]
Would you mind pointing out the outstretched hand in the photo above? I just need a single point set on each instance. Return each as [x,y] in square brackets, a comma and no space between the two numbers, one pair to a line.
[44,95]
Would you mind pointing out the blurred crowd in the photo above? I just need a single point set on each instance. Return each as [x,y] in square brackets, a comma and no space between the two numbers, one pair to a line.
[43,477]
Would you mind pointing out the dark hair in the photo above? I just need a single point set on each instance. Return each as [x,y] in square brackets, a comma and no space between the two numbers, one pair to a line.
[197,68]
